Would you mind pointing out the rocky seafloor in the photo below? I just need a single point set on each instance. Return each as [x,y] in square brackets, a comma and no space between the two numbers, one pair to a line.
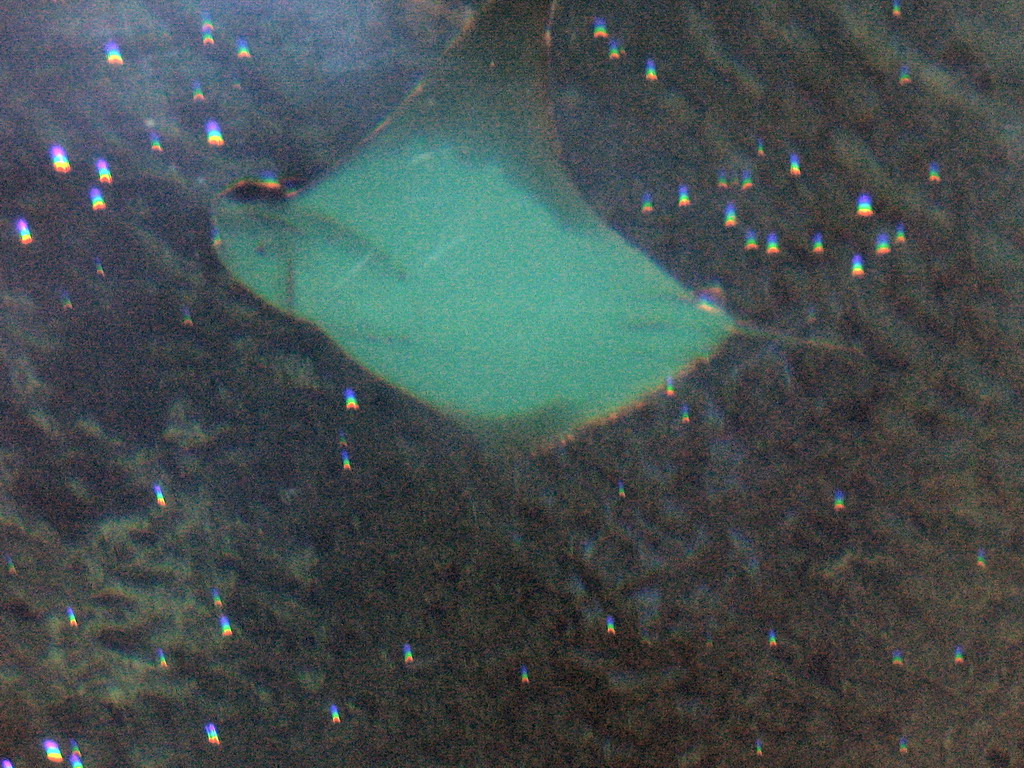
[754,609]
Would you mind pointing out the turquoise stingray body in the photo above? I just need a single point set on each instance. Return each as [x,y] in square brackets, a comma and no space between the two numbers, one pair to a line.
[453,256]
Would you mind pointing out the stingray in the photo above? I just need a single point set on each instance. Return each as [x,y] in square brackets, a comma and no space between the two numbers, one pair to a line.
[453,257]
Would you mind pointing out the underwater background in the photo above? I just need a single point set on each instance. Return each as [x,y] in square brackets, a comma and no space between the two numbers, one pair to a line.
[806,551]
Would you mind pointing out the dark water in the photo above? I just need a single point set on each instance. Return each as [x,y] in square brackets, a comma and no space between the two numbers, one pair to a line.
[749,607]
